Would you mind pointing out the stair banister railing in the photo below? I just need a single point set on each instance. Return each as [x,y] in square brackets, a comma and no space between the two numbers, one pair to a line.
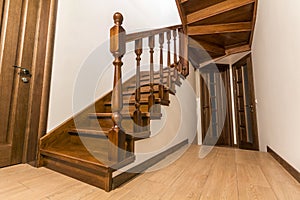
[118,40]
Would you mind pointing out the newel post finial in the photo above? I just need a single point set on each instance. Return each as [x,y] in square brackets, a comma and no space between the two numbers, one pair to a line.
[118,19]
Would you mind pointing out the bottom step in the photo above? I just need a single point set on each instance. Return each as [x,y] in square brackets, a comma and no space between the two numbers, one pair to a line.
[77,162]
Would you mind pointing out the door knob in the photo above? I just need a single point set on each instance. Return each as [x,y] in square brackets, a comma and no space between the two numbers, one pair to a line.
[24,71]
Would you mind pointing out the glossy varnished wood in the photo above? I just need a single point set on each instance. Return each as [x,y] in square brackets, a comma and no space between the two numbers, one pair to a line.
[221,27]
[29,27]
[223,174]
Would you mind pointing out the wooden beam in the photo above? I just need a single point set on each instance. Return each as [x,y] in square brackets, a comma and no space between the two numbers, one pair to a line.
[220,28]
[209,47]
[238,49]
[182,15]
[253,22]
[216,9]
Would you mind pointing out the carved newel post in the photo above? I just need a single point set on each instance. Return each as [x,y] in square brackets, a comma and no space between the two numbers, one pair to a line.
[118,49]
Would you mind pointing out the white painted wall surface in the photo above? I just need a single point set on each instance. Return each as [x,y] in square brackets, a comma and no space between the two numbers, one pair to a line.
[276,51]
[81,47]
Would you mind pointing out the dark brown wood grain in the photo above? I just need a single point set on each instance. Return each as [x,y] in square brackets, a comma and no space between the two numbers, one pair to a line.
[243,84]
[30,27]
[221,27]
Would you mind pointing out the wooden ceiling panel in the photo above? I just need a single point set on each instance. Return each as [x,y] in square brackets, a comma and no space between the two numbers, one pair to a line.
[226,39]
[195,5]
[221,27]
[242,14]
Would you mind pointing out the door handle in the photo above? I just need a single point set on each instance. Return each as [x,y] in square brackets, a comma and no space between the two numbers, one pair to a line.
[251,107]
[24,73]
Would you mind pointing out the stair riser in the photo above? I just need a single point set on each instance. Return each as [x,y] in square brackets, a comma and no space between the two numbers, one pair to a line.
[100,178]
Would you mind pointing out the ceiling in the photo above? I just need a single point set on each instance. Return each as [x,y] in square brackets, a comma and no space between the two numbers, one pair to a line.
[217,28]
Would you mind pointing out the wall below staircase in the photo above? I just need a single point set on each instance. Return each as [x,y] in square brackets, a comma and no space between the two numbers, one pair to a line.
[276,71]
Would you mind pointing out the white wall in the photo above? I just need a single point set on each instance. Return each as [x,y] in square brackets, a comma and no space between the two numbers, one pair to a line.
[81,55]
[276,51]
[82,69]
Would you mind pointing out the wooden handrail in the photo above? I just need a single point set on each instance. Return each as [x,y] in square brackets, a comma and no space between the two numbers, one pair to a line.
[145,34]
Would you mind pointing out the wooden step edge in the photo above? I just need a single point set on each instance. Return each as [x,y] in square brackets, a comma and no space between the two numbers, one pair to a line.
[85,163]
[109,115]
[132,93]
[155,116]
[155,73]
[73,160]
[89,133]
[132,102]
[165,102]
[143,85]
[172,91]
[181,76]
[178,82]
[140,135]
[131,90]
[96,174]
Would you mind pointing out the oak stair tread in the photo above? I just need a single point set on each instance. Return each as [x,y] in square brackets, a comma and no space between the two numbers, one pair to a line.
[127,115]
[89,132]
[132,102]
[82,157]
[102,134]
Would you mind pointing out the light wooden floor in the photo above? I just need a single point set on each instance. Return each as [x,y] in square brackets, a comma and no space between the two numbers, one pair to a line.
[224,174]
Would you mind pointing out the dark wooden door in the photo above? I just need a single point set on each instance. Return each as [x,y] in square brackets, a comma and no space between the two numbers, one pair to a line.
[216,105]
[245,107]
[11,139]
[24,41]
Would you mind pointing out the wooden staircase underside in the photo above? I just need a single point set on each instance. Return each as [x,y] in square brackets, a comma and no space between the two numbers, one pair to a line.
[217,28]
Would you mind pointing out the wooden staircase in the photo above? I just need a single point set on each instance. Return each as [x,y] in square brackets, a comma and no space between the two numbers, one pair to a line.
[101,139]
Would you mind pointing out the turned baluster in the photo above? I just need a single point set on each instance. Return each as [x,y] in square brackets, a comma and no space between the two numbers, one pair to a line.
[175,64]
[118,49]
[184,54]
[138,113]
[161,67]
[151,98]
[180,63]
[169,78]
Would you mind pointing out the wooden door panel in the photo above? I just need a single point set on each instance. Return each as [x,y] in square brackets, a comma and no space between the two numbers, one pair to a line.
[216,103]
[8,52]
[246,124]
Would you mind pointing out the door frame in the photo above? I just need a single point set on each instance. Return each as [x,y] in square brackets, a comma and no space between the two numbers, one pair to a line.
[243,61]
[39,89]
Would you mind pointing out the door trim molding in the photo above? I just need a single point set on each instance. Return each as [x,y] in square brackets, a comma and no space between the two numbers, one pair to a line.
[40,89]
